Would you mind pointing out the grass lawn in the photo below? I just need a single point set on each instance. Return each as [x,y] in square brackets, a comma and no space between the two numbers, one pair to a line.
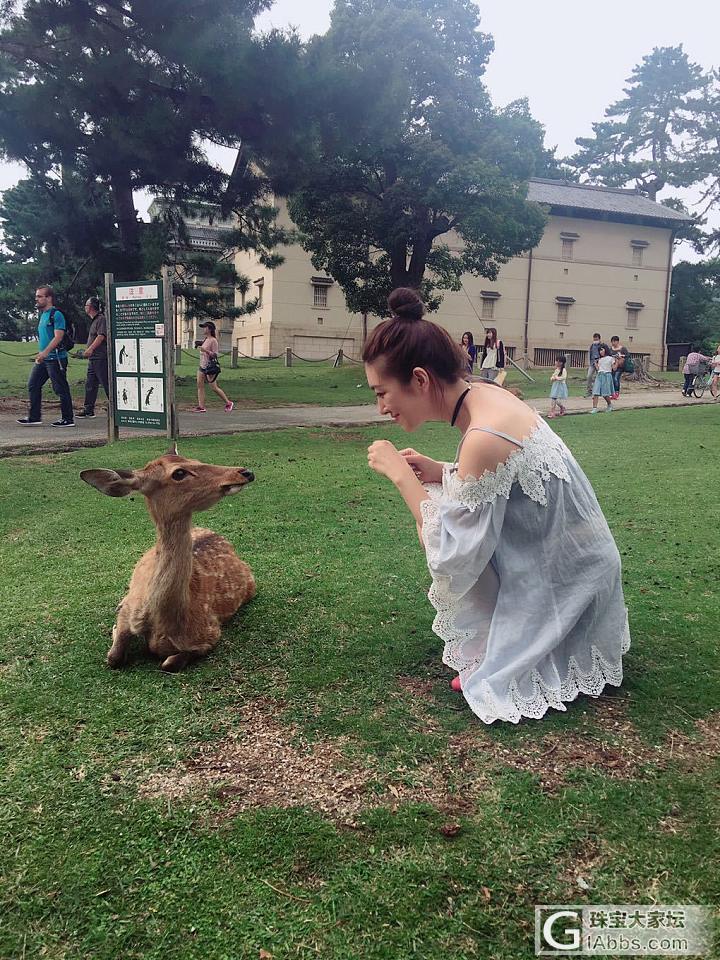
[260,383]
[314,789]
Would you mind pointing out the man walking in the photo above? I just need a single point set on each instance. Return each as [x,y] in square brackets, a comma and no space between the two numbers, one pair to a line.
[593,355]
[50,363]
[619,352]
[96,355]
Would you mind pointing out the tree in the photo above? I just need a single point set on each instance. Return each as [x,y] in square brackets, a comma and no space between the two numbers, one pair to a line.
[125,93]
[694,310]
[411,152]
[100,99]
[640,142]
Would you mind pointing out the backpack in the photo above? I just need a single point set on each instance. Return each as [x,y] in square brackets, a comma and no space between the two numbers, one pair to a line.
[68,340]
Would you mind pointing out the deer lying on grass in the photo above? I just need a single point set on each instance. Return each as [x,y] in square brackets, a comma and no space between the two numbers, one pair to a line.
[192,580]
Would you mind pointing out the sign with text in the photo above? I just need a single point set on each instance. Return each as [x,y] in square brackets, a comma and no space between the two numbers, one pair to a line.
[138,331]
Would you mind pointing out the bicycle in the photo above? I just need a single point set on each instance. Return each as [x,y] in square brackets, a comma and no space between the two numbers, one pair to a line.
[702,379]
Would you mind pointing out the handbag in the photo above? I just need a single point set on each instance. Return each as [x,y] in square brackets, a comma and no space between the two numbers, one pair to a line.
[213,370]
[629,365]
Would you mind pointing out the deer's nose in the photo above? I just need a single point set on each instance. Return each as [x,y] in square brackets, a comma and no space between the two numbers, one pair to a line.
[248,475]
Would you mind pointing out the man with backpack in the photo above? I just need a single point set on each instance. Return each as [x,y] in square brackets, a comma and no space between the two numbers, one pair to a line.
[54,339]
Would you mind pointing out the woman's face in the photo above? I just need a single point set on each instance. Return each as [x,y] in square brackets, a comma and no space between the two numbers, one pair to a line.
[466,340]
[407,404]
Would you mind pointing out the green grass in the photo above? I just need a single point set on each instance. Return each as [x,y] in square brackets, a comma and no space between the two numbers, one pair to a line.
[91,869]
[259,383]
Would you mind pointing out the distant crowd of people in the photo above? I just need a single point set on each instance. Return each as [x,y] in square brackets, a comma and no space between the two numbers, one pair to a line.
[606,365]
[55,340]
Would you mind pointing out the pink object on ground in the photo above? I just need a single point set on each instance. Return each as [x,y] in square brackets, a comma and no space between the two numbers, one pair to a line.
[200,409]
[455,684]
[229,406]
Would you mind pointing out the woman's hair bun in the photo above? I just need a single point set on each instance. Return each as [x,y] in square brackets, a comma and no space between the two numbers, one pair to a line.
[406,304]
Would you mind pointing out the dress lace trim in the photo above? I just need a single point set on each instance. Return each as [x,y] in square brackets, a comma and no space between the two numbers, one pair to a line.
[542,455]
[515,706]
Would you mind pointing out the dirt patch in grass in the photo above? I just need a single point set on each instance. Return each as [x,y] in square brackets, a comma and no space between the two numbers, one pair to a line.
[337,436]
[266,763]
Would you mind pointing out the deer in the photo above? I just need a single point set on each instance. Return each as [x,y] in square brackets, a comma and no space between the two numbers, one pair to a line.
[192,581]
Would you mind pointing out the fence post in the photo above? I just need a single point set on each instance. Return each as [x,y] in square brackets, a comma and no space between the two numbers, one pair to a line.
[288,356]
[339,358]
[234,358]
[178,354]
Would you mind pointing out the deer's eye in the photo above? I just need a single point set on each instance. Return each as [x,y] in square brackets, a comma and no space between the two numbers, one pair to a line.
[179,474]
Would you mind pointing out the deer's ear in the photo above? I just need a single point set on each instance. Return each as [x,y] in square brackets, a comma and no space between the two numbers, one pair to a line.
[114,483]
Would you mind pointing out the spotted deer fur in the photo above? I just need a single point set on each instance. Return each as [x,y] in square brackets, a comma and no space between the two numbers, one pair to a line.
[192,580]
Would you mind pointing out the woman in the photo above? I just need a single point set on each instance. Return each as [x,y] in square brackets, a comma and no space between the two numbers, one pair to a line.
[526,574]
[469,349]
[715,381]
[493,355]
[209,350]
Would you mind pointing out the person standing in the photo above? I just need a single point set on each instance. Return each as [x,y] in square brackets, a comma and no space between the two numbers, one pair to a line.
[715,381]
[619,353]
[50,363]
[492,360]
[559,390]
[604,385]
[593,355]
[468,347]
[209,350]
[96,355]
[690,369]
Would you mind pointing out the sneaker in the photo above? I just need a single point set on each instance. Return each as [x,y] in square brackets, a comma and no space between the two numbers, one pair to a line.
[610,408]
[200,409]
[85,415]
[27,422]
[229,406]
[63,423]
[594,410]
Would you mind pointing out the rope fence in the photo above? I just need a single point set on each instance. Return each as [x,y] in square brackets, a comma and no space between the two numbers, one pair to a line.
[341,355]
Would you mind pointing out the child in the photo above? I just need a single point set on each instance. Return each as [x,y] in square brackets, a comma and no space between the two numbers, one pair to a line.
[559,390]
[604,385]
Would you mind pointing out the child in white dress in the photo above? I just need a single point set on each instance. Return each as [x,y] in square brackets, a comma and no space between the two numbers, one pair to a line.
[526,577]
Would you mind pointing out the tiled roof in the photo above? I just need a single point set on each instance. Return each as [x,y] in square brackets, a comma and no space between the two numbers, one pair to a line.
[563,193]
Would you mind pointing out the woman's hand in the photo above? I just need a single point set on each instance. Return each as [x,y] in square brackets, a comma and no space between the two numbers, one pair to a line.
[385,459]
[425,469]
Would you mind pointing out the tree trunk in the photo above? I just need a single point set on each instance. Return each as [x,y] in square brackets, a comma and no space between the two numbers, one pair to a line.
[642,373]
[128,226]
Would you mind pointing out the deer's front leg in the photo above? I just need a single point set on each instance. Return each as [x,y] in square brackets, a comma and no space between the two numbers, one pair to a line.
[117,654]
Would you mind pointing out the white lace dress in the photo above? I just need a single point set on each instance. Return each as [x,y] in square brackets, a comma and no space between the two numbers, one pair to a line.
[526,581]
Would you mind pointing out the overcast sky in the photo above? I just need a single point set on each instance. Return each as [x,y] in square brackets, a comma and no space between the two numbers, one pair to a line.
[569,58]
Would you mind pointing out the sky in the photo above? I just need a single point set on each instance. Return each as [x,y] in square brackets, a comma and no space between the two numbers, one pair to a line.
[569,58]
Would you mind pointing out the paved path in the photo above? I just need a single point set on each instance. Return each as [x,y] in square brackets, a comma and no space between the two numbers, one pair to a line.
[15,438]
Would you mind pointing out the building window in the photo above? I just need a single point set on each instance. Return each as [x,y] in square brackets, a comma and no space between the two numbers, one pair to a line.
[260,285]
[563,308]
[632,318]
[319,295]
[638,246]
[488,309]
[567,249]
[320,321]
